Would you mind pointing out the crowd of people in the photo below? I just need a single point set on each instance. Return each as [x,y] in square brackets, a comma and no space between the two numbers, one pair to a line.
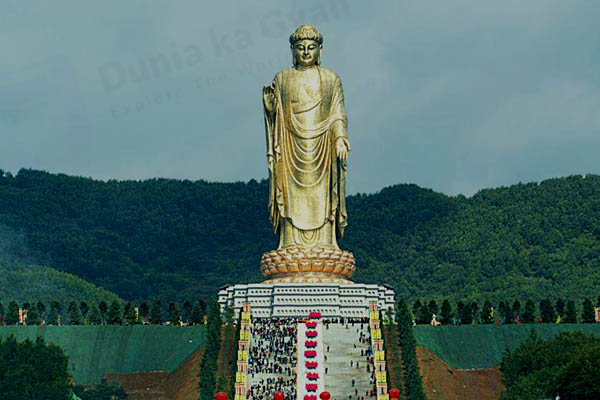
[272,361]
[272,357]
[265,387]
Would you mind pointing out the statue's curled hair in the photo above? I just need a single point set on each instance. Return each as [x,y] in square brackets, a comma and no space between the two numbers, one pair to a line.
[306,32]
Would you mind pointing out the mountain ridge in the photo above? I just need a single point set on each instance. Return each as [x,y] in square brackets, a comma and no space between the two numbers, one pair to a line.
[179,238]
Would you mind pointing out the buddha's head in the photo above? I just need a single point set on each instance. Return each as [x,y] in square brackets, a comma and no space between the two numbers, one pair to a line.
[306,43]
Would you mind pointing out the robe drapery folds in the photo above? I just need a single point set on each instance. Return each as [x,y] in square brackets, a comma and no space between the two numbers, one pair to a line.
[307,180]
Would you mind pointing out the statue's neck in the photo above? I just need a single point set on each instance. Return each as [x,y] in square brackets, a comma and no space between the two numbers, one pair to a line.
[300,67]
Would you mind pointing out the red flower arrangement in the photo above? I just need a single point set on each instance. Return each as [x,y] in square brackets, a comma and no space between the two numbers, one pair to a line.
[311,334]
[310,353]
[311,387]
[310,397]
[311,364]
[311,324]
[312,376]
[314,315]
[310,343]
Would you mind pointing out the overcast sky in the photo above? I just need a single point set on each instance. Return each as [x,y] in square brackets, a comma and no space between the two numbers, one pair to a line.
[455,96]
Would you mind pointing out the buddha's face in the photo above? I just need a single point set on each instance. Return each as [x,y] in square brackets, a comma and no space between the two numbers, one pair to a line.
[306,52]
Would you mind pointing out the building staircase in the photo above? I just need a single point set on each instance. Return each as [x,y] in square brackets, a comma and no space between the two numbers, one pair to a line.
[349,374]
[272,358]
[345,357]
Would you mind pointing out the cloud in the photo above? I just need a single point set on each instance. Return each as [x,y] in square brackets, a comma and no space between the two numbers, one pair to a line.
[456,96]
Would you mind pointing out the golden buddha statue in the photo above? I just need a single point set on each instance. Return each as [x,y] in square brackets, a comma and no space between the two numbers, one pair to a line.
[307,150]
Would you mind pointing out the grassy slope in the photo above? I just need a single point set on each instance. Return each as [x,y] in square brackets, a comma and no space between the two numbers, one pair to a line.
[96,350]
[22,282]
[481,346]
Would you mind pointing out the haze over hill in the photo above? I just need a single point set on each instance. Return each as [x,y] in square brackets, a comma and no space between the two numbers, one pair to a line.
[176,239]
[22,280]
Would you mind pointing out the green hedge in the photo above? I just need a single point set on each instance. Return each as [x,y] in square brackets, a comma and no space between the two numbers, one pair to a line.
[482,346]
[96,350]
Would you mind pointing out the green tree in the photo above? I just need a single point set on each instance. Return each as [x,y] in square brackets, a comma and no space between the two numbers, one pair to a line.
[208,379]
[547,313]
[537,368]
[33,370]
[570,313]
[2,317]
[222,384]
[588,315]
[41,309]
[528,316]
[509,315]
[228,315]
[103,308]
[156,313]
[114,316]
[33,316]
[446,313]
[144,311]
[84,308]
[474,311]
[516,309]
[579,378]
[54,313]
[202,305]
[174,314]
[465,315]
[432,308]
[420,312]
[12,313]
[521,229]
[95,317]
[560,308]
[487,313]
[129,314]
[412,377]
[197,313]
[74,313]
[502,307]
[187,310]
[423,316]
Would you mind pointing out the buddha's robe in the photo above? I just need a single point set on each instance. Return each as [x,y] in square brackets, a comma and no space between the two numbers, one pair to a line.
[307,180]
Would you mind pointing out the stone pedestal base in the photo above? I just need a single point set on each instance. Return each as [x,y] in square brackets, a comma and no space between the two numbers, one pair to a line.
[298,264]
[299,299]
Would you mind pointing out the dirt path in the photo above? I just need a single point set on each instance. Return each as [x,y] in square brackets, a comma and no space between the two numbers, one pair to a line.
[182,384]
[443,382]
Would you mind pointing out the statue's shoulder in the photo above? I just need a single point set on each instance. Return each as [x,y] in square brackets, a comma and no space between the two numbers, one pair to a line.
[329,74]
[281,75]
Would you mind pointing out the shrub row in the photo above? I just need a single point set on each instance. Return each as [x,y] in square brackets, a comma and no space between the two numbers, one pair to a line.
[115,313]
[412,376]
[548,311]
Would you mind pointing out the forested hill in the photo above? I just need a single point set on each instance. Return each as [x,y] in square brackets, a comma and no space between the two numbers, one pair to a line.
[176,239]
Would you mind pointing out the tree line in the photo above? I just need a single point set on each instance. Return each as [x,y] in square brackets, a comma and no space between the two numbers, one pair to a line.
[505,312]
[207,381]
[102,313]
[566,366]
[173,238]
[32,370]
